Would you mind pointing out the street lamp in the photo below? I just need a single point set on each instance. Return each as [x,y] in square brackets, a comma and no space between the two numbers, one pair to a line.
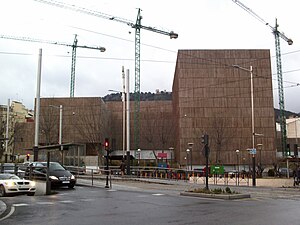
[139,156]
[252,120]
[260,168]
[237,159]
[191,150]
[60,107]
[171,153]
[187,159]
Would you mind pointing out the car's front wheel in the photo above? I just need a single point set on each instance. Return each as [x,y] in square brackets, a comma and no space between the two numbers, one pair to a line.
[71,186]
[2,191]
[31,194]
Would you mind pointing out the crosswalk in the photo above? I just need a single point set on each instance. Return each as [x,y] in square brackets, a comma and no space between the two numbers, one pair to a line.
[45,203]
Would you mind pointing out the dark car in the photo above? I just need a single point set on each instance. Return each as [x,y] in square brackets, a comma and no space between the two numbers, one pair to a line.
[58,175]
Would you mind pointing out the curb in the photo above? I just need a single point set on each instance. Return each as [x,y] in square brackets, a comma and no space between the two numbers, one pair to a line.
[3,207]
[216,196]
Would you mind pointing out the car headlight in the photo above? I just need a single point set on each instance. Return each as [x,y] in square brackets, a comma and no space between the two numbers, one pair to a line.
[53,177]
[10,183]
[72,177]
[32,183]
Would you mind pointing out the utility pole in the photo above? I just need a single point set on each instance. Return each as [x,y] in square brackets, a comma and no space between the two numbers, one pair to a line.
[37,109]
[128,122]
[204,140]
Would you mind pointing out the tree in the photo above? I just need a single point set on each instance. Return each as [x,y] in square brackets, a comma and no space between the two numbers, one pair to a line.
[92,126]
[158,129]
[218,132]
[49,125]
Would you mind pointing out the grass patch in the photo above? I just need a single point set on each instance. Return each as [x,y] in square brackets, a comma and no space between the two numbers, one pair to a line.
[227,190]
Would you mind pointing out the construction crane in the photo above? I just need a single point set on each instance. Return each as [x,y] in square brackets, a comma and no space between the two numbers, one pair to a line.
[277,35]
[137,26]
[74,47]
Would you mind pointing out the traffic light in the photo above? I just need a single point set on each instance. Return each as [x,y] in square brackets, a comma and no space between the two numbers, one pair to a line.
[288,150]
[106,143]
[28,156]
[204,139]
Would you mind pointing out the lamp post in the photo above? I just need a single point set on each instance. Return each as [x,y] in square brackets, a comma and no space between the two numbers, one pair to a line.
[139,156]
[191,150]
[60,107]
[260,146]
[187,159]
[252,121]
[171,153]
[237,159]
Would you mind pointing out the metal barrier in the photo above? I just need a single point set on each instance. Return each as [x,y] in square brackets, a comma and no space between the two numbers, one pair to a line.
[228,178]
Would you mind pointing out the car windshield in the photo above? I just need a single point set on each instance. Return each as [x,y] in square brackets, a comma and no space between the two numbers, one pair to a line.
[8,176]
[54,166]
[8,167]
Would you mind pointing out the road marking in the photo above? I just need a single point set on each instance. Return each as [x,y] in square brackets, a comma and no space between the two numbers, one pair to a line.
[66,201]
[45,203]
[158,194]
[111,190]
[20,204]
[12,210]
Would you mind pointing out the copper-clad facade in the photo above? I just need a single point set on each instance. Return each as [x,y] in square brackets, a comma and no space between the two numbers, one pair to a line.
[211,96]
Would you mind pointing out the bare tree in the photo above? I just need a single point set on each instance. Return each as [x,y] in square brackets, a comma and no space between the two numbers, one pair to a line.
[158,130]
[2,136]
[218,136]
[91,126]
[49,125]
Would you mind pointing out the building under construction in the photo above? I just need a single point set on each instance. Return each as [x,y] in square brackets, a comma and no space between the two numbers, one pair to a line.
[211,94]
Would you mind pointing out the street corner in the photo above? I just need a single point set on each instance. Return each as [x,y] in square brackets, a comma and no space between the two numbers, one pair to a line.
[3,208]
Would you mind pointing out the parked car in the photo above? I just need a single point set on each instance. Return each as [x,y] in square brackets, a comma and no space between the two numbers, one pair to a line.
[58,175]
[284,171]
[11,184]
[12,169]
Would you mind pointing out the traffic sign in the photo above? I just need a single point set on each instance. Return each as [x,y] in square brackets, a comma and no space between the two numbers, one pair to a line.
[253,151]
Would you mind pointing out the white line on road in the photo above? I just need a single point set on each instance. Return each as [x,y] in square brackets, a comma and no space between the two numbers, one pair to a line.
[45,203]
[158,194]
[20,204]
[67,201]
[12,210]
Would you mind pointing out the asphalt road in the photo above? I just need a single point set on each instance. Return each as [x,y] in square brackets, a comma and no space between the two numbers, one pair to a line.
[135,205]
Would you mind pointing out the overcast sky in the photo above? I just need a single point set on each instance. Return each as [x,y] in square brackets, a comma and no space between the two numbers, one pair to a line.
[201,24]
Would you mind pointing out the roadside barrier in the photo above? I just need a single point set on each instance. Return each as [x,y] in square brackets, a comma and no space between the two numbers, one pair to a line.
[228,178]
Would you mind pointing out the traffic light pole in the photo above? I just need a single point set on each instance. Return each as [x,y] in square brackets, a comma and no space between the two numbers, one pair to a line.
[107,169]
[206,171]
[204,140]
[106,146]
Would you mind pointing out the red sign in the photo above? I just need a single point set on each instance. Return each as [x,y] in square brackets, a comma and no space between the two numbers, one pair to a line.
[162,155]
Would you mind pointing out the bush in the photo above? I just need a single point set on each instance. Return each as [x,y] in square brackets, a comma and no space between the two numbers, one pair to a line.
[214,191]
[271,173]
[228,190]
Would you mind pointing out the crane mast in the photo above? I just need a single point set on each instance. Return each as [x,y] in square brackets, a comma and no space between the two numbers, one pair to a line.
[72,85]
[137,26]
[137,85]
[277,35]
[74,47]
